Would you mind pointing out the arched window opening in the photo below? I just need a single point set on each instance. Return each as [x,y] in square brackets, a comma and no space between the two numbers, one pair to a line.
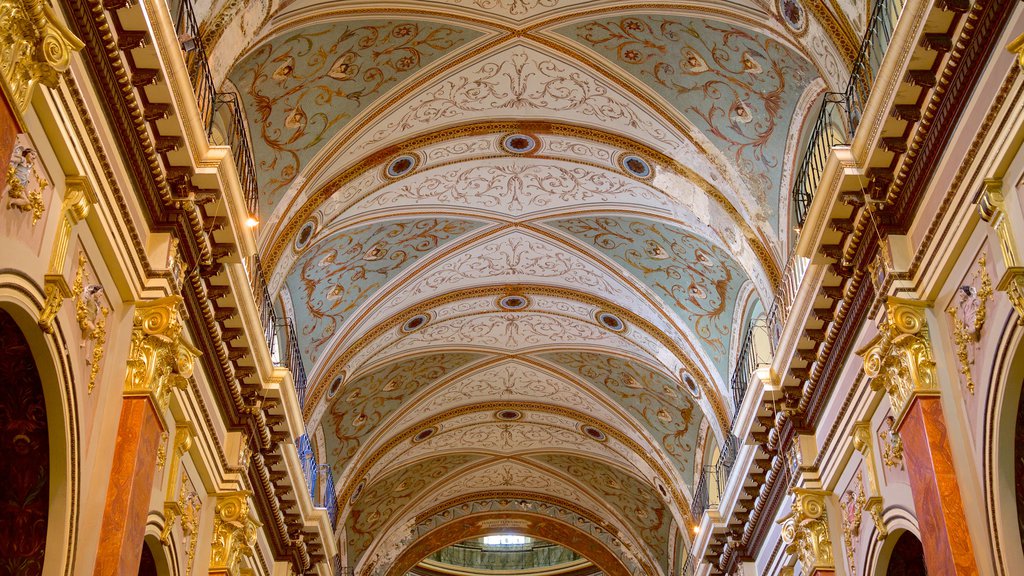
[907,557]
[24,456]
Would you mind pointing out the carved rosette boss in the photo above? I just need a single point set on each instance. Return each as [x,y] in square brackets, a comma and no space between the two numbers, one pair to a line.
[805,531]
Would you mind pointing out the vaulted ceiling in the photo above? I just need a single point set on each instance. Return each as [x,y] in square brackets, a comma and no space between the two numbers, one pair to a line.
[519,240]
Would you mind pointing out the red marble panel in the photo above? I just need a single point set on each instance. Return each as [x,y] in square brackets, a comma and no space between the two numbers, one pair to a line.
[8,129]
[940,508]
[131,483]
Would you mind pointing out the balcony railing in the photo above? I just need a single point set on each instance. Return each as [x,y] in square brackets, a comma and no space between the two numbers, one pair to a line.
[291,357]
[755,352]
[840,112]
[319,478]
[211,102]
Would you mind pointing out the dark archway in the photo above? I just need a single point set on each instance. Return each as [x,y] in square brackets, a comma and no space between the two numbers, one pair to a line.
[24,456]
[1018,467]
[907,557]
[147,564]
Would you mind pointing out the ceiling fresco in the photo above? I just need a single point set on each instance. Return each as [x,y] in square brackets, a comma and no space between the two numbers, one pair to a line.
[738,87]
[304,86]
[518,240]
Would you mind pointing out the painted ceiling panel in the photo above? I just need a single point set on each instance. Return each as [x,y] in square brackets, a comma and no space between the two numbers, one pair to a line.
[301,88]
[377,503]
[635,500]
[699,280]
[341,272]
[739,87]
[667,412]
[360,406]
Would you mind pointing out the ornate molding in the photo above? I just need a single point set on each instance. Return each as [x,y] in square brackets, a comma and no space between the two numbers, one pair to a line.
[991,209]
[900,359]
[891,444]
[805,531]
[1017,47]
[23,184]
[78,199]
[234,533]
[35,48]
[873,503]
[159,358]
[91,313]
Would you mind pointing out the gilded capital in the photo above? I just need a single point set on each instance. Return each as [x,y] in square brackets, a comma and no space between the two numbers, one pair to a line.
[900,360]
[159,358]
[234,532]
[1017,47]
[35,48]
[805,531]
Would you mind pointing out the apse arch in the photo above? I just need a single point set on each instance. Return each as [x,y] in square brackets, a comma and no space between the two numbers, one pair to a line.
[525,523]
[21,300]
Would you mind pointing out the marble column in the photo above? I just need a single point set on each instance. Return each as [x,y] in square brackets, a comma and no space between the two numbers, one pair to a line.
[129,489]
[937,500]
[900,361]
[159,359]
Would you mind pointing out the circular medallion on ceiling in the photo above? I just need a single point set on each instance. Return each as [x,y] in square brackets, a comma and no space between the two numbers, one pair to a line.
[793,14]
[335,385]
[357,492]
[691,385]
[594,433]
[415,323]
[662,489]
[305,235]
[610,321]
[519,143]
[508,414]
[424,434]
[514,302]
[401,165]
[636,166]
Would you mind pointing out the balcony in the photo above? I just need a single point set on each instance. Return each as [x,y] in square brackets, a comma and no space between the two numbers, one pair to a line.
[845,184]
[319,479]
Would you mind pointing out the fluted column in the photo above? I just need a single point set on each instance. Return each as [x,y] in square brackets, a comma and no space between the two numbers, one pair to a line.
[159,360]
[900,361]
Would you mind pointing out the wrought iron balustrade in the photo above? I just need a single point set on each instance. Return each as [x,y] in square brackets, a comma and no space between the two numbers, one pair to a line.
[319,478]
[210,102]
[840,113]
[755,352]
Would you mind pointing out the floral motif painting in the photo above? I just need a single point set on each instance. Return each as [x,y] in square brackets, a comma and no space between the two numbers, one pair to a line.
[658,403]
[738,87]
[367,401]
[387,496]
[300,89]
[344,270]
[637,500]
[699,280]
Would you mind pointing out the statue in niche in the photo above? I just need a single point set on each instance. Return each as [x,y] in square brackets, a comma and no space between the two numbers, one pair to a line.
[24,185]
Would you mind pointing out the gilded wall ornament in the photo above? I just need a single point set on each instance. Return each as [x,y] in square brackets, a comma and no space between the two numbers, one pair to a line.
[873,503]
[991,209]
[853,502]
[24,185]
[968,311]
[91,312]
[75,207]
[805,531]
[159,358]
[891,443]
[35,48]
[900,359]
[234,533]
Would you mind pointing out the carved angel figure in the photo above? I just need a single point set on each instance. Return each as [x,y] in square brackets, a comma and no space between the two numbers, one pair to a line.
[24,185]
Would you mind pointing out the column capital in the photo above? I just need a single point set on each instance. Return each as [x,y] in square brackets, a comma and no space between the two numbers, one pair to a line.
[805,531]
[159,358]
[38,49]
[899,360]
[234,532]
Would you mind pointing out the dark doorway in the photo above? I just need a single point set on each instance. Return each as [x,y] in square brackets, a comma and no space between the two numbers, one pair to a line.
[24,456]
[147,564]
[907,557]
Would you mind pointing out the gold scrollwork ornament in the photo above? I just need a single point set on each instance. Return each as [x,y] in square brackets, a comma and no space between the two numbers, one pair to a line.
[24,184]
[234,533]
[159,358]
[91,312]
[805,531]
[968,314]
[900,360]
